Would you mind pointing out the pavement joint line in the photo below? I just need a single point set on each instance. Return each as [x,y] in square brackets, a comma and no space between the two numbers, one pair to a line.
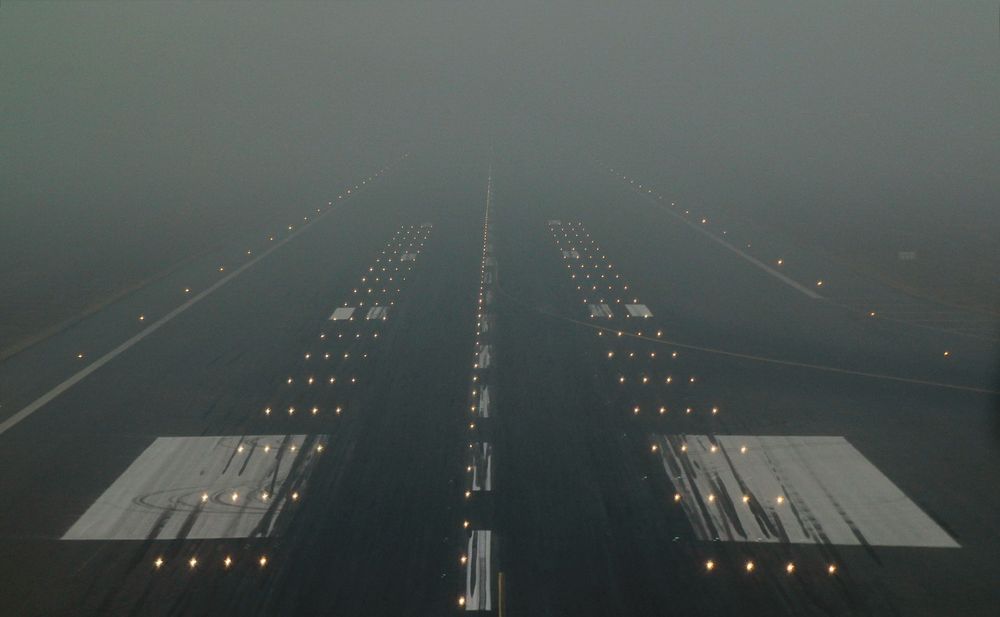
[83,373]
[755,358]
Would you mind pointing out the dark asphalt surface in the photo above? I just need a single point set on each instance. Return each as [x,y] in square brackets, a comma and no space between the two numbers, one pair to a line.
[581,509]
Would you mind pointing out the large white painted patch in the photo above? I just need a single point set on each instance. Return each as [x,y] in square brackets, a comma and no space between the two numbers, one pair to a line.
[791,489]
[203,487]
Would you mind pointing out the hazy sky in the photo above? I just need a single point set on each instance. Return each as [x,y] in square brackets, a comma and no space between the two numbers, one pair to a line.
[138,113]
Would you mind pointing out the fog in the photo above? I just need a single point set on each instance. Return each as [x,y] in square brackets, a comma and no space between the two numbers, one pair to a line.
[134,134]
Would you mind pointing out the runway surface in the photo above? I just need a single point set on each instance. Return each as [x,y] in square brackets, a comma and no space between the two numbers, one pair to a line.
[522,389]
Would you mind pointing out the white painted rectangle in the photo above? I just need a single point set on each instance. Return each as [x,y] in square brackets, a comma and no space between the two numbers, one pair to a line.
[485,356]
[638,310]
[342,313]
[479,571]
[378,312]
[482,467]
[599,310]
[184,487]
[484,402]
[799,489]
[571,254]
[408,257]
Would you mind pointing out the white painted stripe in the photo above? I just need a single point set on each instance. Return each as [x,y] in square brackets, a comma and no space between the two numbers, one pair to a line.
[485,356]
[763,266]
[342,313]
[479,572]
[484,402]
[377,312]
[80,375]
[799,489]
[599,310]
[482,468]
[638,310]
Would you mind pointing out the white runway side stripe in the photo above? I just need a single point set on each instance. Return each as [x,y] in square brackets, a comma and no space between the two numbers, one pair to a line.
[763,266]
[79,376]
[202,487]
[791,489]
[479,572]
